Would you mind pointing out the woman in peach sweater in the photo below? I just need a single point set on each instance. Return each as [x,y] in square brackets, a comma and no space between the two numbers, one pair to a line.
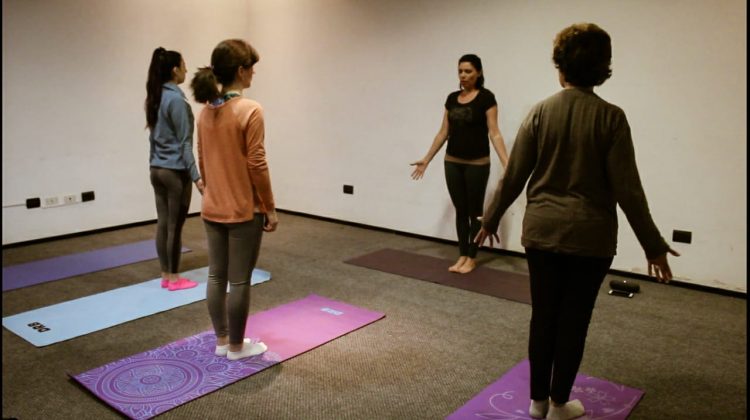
[237,202]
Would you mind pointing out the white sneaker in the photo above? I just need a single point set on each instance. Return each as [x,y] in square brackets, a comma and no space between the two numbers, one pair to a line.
[248,350]
[222,350]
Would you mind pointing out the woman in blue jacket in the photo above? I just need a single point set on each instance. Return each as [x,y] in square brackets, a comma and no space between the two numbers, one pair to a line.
[170,121]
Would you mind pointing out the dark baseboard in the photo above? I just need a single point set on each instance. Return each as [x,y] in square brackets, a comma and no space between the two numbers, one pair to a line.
[85,233]
[505,252]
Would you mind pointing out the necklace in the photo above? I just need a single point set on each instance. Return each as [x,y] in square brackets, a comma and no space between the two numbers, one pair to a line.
[230,94]
[227,96]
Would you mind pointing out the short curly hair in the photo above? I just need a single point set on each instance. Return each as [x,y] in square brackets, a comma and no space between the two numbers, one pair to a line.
[583,53]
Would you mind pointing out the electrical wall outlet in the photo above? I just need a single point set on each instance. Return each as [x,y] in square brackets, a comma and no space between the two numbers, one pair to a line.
[70,199]
[64,200]
[683,236]
[52,201]
[87,196]
[32,203]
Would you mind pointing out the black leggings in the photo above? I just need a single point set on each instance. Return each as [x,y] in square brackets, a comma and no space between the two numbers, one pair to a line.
[466,186]
[172,190]
[563,294]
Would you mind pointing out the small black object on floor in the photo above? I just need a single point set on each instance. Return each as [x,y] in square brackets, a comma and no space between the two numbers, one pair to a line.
[623,288]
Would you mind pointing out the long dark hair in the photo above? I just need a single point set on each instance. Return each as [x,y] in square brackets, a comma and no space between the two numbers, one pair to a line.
[159,72]
[226,58]
[475,61]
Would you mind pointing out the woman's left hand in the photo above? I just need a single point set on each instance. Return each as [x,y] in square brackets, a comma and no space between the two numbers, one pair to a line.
[659,266]
[201,187]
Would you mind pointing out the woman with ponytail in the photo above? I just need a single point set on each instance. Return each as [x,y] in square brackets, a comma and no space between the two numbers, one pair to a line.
[238,203]
[170,122]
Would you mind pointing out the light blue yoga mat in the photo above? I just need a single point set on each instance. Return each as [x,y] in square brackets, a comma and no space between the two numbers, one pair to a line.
[74,318]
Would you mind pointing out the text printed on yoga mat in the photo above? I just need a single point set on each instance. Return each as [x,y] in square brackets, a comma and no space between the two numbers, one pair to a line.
[39,327]
[332,311]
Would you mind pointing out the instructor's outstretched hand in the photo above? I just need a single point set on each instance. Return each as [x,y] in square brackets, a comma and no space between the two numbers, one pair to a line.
[421,167]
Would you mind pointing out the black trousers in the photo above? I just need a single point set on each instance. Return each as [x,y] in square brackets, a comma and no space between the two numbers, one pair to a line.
[563,293]
[466,186]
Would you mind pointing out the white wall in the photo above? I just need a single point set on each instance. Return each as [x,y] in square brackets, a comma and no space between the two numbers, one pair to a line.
[74,82]
[354,92]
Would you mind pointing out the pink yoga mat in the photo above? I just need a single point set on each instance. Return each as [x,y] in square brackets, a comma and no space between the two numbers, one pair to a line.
[508,398]
[150,383]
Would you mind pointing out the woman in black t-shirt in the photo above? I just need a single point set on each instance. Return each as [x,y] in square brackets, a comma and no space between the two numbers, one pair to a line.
[470,118]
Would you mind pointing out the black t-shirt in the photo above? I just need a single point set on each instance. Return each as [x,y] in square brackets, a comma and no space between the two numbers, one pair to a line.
[467,125]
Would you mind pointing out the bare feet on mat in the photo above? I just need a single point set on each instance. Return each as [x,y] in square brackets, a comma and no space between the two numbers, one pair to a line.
[538,409]
[468,266]
[454,268]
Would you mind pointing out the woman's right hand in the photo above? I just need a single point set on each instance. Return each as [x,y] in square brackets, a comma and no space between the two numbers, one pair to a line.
[421,167]
[272,221]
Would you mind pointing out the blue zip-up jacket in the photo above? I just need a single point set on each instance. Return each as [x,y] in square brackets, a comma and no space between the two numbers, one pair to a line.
[171,138]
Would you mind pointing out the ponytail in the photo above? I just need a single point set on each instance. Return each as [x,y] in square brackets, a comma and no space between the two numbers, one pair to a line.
[159,72]
[205,85]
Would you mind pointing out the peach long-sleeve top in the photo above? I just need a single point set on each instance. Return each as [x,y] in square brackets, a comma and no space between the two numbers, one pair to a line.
[232,160]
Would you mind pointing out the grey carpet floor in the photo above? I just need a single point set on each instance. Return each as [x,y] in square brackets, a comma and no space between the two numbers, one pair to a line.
[437,347]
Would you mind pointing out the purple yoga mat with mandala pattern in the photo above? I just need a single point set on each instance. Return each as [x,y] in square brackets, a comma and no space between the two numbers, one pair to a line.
[508,398]
[150,383]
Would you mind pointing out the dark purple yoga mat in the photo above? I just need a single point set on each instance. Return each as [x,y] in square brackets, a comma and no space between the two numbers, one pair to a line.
[488,281]
[508,398]
[42,271]
[148,384]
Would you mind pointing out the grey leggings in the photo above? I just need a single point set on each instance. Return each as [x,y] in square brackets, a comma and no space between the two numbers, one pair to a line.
[172,190]
[232,253]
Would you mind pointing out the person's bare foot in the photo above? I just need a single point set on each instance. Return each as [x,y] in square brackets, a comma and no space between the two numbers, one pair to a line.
[538,409]
[468,266]
[454,268]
